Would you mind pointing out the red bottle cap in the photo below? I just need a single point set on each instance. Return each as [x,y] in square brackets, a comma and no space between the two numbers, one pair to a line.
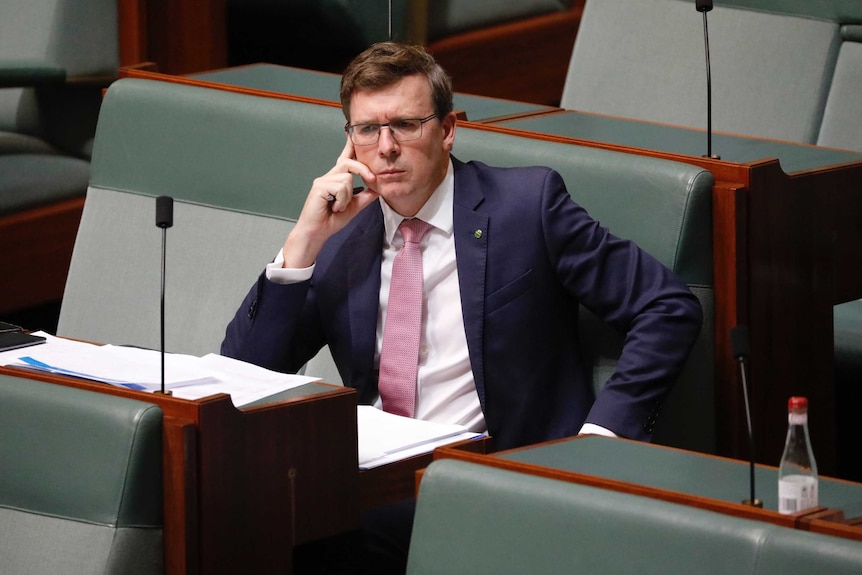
[797,404]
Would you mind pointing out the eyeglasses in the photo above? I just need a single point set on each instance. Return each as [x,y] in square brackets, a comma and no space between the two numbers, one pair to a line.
[402,130]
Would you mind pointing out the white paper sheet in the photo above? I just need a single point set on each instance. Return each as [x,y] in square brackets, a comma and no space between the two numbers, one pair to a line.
[187,376]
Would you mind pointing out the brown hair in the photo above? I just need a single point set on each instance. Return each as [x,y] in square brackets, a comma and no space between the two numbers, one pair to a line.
[385,64]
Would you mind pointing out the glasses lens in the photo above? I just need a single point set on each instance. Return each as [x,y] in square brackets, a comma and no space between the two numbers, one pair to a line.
[401,130]
[365,134]
[405,130]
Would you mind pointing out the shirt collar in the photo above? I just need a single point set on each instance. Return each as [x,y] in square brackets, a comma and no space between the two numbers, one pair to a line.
[437,210]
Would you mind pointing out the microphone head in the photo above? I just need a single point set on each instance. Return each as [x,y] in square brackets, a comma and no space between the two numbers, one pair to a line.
[739,341]
[164,211]
[703,5]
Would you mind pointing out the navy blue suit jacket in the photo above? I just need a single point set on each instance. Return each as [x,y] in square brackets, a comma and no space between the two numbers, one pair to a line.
[538,256]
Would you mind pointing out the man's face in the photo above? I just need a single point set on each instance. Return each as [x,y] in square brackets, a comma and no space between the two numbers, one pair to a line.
[407,172]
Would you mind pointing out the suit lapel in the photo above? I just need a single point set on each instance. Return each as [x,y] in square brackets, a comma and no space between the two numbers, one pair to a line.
[471,250]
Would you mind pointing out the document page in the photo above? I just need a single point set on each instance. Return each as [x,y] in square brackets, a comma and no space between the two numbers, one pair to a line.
[385,437]
[187,376]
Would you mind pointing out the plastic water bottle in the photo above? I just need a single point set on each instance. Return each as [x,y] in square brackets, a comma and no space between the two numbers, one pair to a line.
[797,472]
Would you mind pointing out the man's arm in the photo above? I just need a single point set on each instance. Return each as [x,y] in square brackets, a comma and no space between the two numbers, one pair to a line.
[636,294]
[266,328]
[330,205]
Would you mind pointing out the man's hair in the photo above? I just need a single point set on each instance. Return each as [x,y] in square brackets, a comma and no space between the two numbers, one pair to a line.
[387,63]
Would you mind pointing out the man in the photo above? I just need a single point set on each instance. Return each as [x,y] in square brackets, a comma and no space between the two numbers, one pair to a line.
[506,262]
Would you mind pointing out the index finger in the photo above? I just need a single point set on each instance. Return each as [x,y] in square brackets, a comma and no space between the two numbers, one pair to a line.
[348,153]
[347,162]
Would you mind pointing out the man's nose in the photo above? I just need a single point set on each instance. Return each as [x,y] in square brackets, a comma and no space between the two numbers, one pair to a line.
[386,142]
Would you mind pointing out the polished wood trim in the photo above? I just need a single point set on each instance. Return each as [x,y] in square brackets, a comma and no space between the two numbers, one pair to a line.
[133,29]
[181,36]
[526,60]
[180,493]
[37,250]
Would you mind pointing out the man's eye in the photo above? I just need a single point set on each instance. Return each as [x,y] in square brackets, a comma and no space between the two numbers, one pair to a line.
[403,125]
[367,128]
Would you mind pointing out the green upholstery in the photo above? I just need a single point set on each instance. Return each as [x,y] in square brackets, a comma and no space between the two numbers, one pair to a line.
[782,69]
[55,58]
[55,39]
[81,486]
[842,118]
[644,59]
[478,519]
[239,168]
[325,86]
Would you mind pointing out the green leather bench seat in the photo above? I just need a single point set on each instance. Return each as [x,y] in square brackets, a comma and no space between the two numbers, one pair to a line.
[478,519]
[37,179]
[842,117]
[81,482]
[55,58]
[239,168]
[325,86]
[772,64]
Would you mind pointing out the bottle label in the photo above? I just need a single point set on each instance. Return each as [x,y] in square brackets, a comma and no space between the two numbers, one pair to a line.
[796,492]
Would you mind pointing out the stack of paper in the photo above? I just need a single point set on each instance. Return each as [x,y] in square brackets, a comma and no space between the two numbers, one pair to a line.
[187,376]
[385,437]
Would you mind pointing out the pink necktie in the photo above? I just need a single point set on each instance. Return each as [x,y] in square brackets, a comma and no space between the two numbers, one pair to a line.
[399,356]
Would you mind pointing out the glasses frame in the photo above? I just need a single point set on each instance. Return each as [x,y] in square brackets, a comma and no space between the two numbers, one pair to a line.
[422,121]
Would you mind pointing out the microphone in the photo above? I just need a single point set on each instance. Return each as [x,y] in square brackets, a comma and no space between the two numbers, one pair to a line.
[164,220]
[705,6]
[740,346]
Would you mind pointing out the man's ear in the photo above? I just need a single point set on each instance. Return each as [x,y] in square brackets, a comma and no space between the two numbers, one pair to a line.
[448,123]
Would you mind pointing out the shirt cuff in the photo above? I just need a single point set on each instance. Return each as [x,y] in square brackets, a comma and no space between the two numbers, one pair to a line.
[277,274]
[593,429]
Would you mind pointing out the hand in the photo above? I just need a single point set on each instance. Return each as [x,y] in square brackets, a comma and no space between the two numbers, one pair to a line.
[330,205]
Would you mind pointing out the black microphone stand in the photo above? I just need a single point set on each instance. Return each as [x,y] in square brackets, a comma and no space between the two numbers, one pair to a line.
[164,220]
[705,6]
[739,344]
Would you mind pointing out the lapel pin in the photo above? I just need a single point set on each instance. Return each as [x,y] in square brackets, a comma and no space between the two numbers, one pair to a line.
[477,234]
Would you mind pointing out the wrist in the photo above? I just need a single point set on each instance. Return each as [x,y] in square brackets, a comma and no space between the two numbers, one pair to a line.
[301,249]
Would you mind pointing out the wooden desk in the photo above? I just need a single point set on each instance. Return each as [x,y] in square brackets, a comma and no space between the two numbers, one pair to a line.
[242,487]
[785,251]
[688,478]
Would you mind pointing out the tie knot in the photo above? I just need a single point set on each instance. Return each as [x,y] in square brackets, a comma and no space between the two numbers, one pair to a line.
[413,230]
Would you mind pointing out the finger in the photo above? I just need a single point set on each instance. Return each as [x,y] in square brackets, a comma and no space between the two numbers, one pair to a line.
[347,162]
[348,153]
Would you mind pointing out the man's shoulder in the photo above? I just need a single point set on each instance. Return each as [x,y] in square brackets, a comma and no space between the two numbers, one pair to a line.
[476,179]
[478,167]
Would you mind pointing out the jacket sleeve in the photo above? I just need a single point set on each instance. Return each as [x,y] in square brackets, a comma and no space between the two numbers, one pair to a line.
[655,312]
[274,327]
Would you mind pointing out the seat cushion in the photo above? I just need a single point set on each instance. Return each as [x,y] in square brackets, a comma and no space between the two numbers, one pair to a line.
[644,59]
[842,119]
[31,180]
